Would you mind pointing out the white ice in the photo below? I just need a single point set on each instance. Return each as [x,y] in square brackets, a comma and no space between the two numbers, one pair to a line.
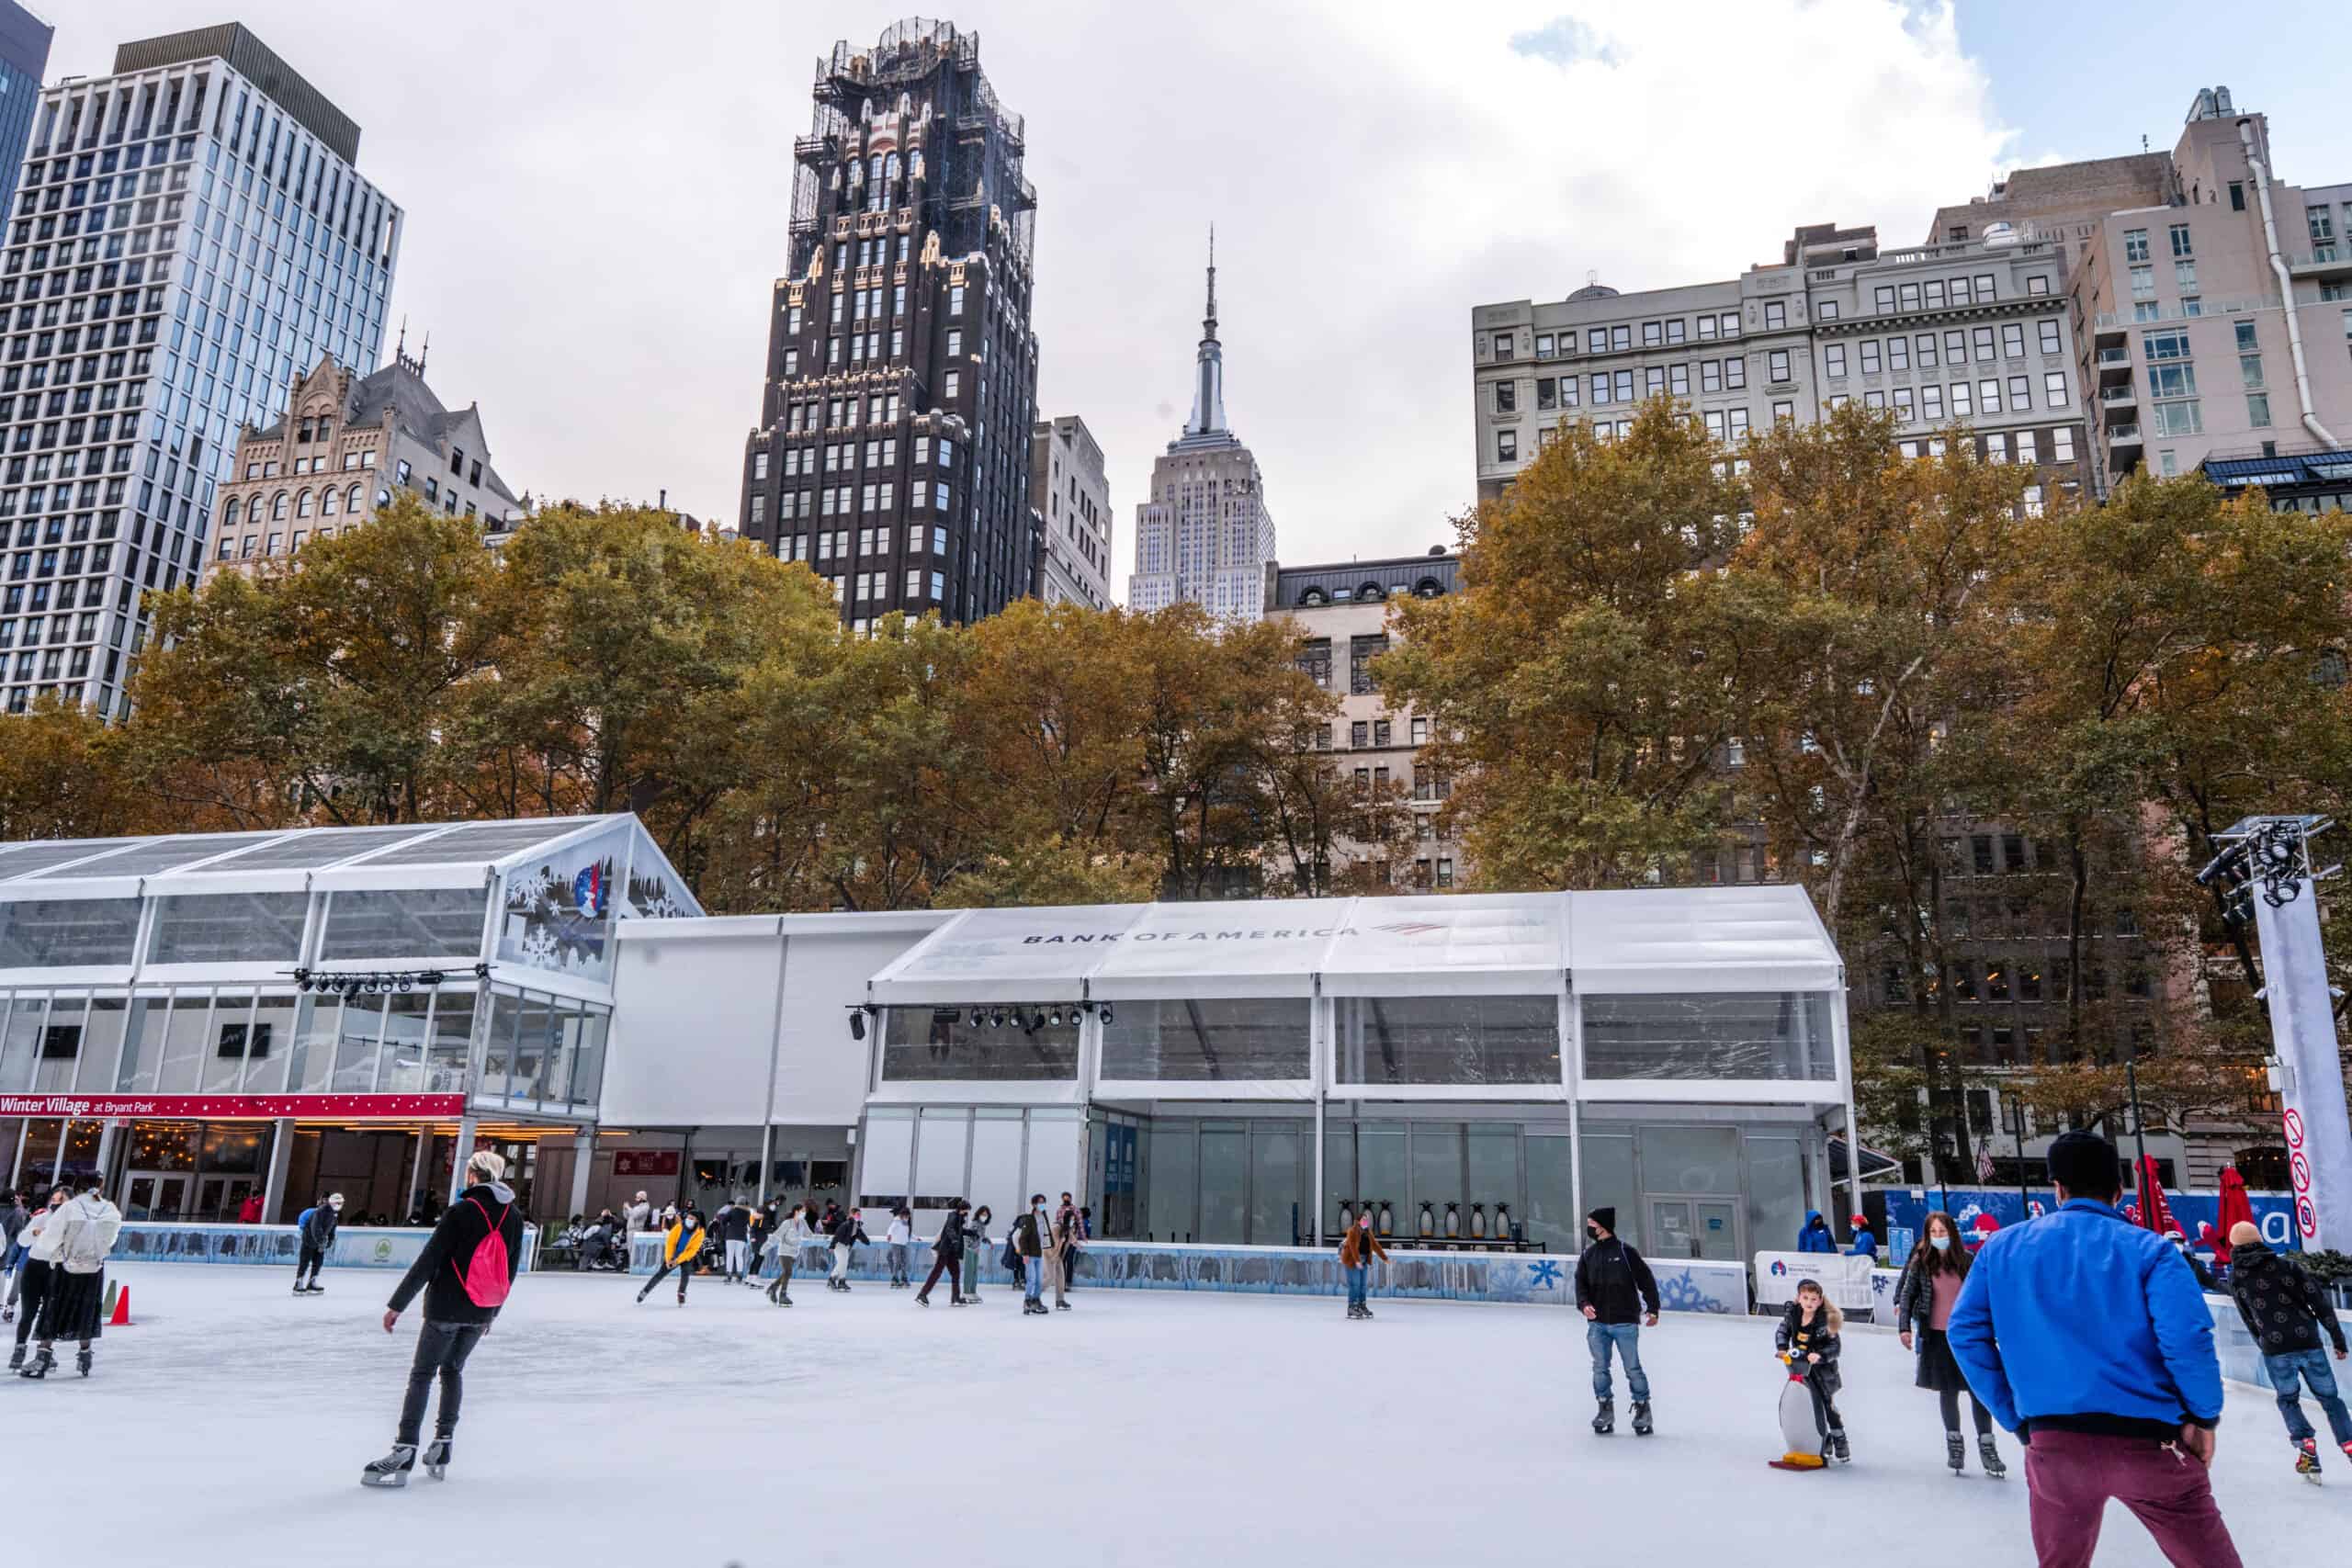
[229,1423]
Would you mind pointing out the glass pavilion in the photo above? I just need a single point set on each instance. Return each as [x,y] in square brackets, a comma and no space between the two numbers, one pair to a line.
[210,1017]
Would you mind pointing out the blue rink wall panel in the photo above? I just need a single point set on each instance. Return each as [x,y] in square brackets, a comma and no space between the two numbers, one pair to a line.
[355,1247]
[1521,1277]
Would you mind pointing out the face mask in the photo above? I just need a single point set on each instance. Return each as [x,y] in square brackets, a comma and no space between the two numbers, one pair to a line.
[1941,1243]
[1590,1233]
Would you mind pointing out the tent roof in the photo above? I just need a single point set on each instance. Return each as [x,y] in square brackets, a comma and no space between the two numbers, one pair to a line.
[1699,938]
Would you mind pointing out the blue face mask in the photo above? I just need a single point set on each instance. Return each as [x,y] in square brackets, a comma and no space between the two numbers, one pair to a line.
[1941,1243]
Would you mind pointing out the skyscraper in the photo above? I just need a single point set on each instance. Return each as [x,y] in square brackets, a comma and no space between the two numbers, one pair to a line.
[191,235]
[1204,533]
[892,453]
[24,58]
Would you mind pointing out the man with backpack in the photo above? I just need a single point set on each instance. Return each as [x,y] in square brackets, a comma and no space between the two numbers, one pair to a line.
[318,1226]
[466,1270]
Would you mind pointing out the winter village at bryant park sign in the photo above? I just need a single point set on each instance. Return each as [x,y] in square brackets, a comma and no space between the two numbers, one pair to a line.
[236,1107]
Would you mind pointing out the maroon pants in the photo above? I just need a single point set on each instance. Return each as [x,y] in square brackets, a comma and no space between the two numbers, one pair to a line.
[2071,1475]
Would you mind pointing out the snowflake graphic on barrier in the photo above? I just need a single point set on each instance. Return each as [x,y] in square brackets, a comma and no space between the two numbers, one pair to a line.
[1681,1292]
[1545,1271]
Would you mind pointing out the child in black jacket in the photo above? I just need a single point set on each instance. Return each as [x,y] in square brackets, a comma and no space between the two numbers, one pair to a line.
[1809,1334]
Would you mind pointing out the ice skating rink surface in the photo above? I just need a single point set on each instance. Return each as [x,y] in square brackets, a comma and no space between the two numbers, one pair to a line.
[229,1423]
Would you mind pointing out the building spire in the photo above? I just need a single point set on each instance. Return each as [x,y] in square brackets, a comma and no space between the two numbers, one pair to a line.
[1208,371]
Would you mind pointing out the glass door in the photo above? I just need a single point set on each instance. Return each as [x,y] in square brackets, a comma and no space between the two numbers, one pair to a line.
[1672,1231]
[155,1194]
[1718,1228]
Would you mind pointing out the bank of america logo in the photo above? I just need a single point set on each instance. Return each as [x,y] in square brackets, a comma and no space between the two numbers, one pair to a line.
[1412,927]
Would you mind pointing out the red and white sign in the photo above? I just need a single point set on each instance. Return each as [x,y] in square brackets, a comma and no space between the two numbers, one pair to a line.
[239,1107]
[2298,1170]
[645,1162]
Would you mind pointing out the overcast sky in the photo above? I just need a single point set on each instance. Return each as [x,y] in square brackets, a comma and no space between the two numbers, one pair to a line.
[597,192]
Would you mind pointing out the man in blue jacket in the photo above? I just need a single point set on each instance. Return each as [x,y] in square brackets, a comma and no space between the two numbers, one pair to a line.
[1816,1237]
[2088,1337]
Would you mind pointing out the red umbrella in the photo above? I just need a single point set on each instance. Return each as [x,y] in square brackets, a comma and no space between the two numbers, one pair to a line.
[2236,1208]
[2155,1214]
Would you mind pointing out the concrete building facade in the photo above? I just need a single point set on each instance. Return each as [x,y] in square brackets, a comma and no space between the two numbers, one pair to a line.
[346,446]
[185,242]
[1204,533]
[1069,499]
[892,450]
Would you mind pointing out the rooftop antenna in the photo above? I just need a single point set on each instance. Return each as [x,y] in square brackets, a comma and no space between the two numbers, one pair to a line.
[422,354]
[1591,275]
[2144,142]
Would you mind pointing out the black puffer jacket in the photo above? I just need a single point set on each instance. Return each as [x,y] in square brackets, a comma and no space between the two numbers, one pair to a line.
[440,1269]
[951,1238]
[1915,1293]
[2283,1306]
[1797,1341]
[320,1232]
[1612,1280]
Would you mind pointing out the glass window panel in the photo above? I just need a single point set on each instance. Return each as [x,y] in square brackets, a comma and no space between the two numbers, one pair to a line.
[1172,1181]
[188,1040]
[1760,1035]
[567,1046]
[303,851]
[1437,1181]
[1609,1183]
[25,860]
[453,1038]
[1689,1159]
[54,933]
[101,1046]
[1208,1040]
[1494,1180]
[61,1044]
[588,1068]
[408,922]
[269,1047]
[228,928]
[404,1043]
[357,1045]
[1225,1183]
[143,1049]
[937,1044]
[20,1040]
[1278,1212]
[153,855]
[1339,1176]
[224,1065]
[534,1039]
[481,842]
[498,1050]
[1551,1219]
[312,1064]
[1449,1040]
[1775,1193]
[1380,1169]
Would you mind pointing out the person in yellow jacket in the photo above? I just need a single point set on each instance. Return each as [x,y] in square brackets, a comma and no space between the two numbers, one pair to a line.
[680,1244]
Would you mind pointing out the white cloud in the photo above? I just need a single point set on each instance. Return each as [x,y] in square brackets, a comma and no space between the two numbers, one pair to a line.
[598,197]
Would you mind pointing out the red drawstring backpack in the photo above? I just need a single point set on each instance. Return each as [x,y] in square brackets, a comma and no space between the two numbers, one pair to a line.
[487,1277]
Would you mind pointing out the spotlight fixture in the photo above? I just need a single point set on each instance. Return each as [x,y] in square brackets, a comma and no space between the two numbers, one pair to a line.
[996,1019]
[978,1017]
[1036,1021]
[1054,1017]
[856,1024]
[1105,1012]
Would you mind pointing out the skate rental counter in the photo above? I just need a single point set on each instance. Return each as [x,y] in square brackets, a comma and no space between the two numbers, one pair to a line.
[1467,1068]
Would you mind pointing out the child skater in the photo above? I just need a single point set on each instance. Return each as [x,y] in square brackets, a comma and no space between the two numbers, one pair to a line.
[1808,1334]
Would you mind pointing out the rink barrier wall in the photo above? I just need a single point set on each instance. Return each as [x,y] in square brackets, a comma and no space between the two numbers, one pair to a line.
[355,1247]
[1527,1278]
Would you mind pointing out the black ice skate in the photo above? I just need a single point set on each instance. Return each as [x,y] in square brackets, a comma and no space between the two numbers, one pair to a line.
[1642,1426]
[1604,1420]
[2307,1460]
[16,1359]
[1061,1306]
[1838,1448]
[82,1360]
[392,1469]
[1990,1457]
[436,1459]
[1955,1452]
[44,1362]
[1355,1312]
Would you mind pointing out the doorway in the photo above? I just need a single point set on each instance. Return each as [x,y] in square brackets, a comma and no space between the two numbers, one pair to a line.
[155,1194]
[1695,1227]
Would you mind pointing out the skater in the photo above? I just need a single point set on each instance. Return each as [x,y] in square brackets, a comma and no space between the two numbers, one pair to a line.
[1923,1304]
[31,1287]
[249,1210]
[318,1225]
[681,1244]
[639,1214]
[848,1233]
[1816,1237]
[1865,1242]
[1357,1250]
[734,1224]
[784,1244]
[84,1229]
[1809,1333]
[2205,1280]
[976,1252]
[1032,1241]
[901,1232]
[1618,1296]
[465,1271]
[14,1218]
[1068,1232]
[2285,1309]
[946,1256]
[2089,1336]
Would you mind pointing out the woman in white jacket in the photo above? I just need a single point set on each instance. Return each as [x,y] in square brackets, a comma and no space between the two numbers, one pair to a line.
[784,1246]
[41,1237]
[86,1229]
[901,1232]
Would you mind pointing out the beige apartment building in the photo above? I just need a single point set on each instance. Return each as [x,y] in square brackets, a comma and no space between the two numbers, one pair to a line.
[1070,506]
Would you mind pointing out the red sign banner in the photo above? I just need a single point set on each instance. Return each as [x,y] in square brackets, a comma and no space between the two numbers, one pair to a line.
[238,1106]
[645,1162]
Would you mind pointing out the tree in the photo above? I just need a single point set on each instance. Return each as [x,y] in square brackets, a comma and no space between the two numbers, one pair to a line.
[65,773]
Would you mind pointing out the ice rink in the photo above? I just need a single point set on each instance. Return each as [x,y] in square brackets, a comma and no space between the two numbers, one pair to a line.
[230,1424]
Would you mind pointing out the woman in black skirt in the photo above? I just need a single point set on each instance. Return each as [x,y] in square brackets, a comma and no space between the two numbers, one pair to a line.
[1923,1303]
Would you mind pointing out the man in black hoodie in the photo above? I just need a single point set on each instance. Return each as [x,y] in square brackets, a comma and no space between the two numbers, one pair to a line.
[1618,1296]
[457,1313]
[735,1236]
[2285,1309]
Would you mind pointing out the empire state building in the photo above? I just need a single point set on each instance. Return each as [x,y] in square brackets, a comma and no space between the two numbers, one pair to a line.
[1204,533]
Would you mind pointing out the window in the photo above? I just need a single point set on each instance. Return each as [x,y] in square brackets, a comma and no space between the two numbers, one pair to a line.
[2257,409]
[1963,403]
[1988,396]
[1925,344]
[2020,393]
[1734,374]
[1547,396]
[1503,349]
[1869,357]
[2062,444]
[1898,354]
[1777,365]
[1885,297]
[1506,397]
[1653,381]
[1931,402]
[1706,327]
[2135,245]
[1506,446]
[1711,375]
[1750,1035]
[1621,338]
[2180,246]
[1596,341]
[1827,310]
[1678,379]
[1653,334]
[1996,448]
[2184,276]
[945,1045]
[1214,1040]
[2049,334]
[1776,314]
[1730,321]
[1784,412]
[2143,283]
[1955,347]
[2013,340]
[1445,1040]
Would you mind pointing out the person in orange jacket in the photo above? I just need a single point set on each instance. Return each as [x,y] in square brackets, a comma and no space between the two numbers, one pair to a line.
[681,1243]
[1357,1250]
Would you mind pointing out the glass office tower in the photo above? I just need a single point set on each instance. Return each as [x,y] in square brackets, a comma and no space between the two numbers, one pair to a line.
[24,57]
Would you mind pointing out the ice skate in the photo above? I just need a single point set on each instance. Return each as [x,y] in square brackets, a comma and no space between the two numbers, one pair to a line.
[1061,1306]
[1838,1448]
[1355,1312]
[1642,1425]
[1604,1420]
[2307,1460]
[435,1458]
[645,1293]
[16,1359]
[1989,1455]
[1955,1452]
[44,1362]
[392,1469]
[82,1360]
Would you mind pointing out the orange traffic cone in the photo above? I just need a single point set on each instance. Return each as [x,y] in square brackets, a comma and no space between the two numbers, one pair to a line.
[121,1316]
